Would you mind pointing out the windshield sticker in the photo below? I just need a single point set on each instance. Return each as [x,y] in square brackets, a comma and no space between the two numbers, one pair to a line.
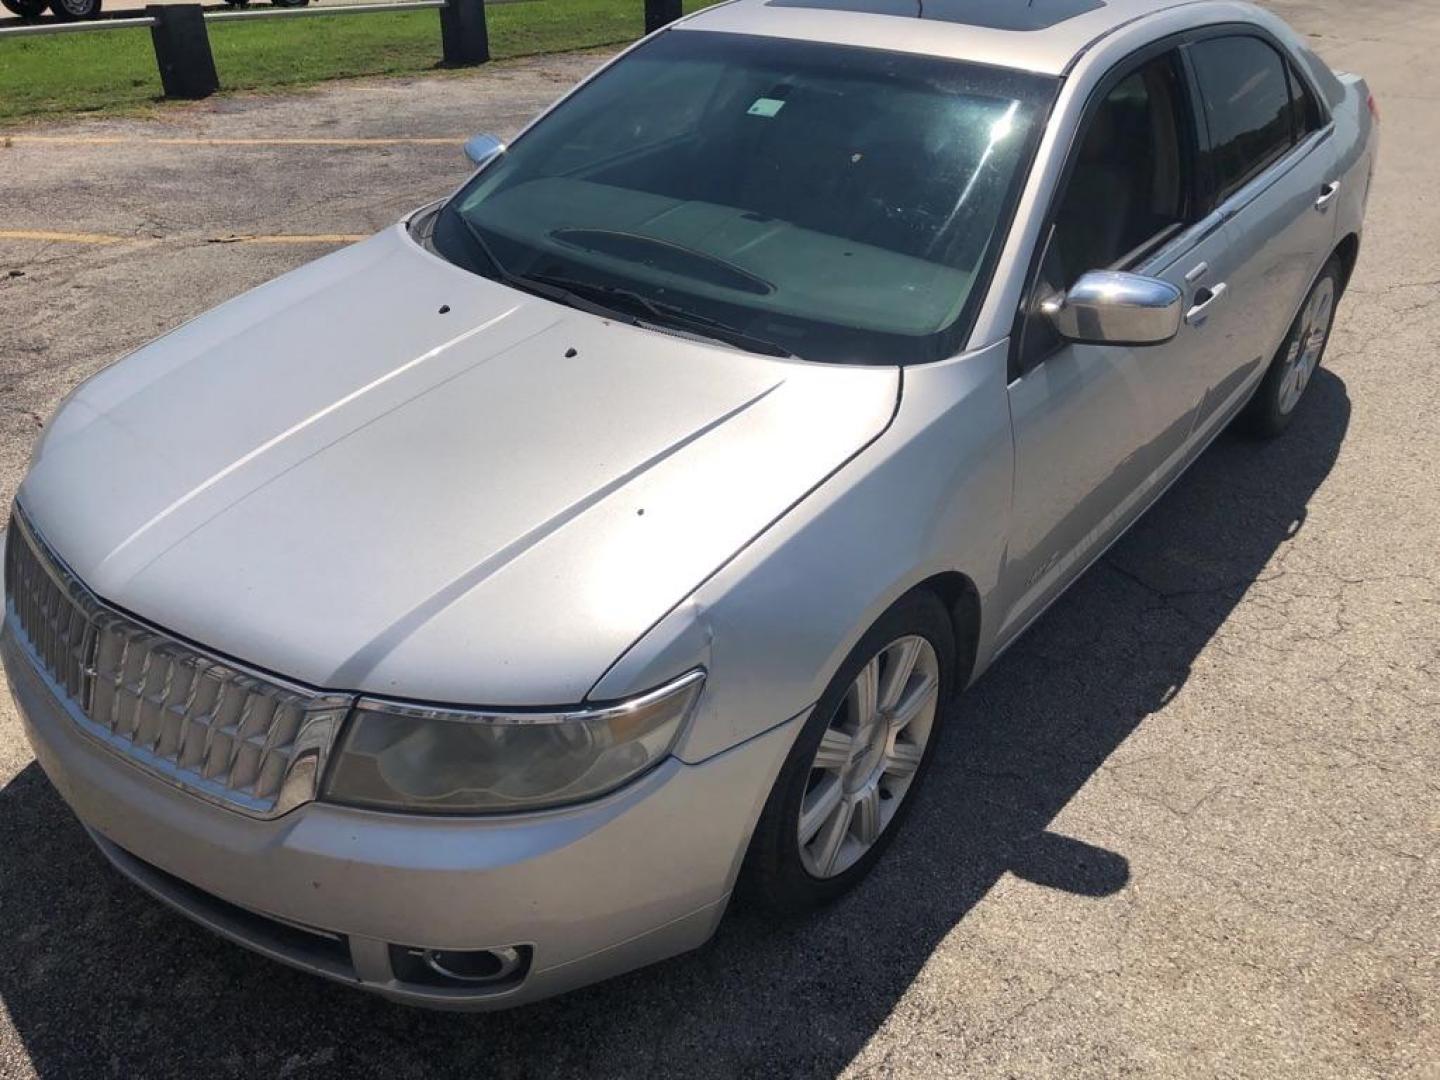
[766,107]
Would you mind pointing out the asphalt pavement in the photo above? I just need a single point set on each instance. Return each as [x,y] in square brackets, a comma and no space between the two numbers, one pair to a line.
[1187,827]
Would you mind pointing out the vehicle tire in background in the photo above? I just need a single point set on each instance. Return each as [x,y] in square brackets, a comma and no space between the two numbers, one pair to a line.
[1280,391]
[851,776]
[75,10]
[289,3]
[26,9]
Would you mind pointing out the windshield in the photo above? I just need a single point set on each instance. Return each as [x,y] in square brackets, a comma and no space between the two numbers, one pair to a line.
[838,204]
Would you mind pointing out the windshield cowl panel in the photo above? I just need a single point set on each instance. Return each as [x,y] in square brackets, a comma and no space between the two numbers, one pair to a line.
[844,205]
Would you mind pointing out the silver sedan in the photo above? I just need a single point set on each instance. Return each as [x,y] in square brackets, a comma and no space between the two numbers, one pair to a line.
[470,614]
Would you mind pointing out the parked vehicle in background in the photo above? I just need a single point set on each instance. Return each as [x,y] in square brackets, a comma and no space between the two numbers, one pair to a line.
[77,10]
[467,615]
[68,10]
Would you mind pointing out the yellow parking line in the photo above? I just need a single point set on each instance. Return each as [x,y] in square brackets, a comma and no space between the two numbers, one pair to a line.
[168,140]
[292,238]
[60,237]
[46,236]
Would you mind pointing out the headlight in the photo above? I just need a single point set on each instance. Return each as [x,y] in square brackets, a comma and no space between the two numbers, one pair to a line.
[404,757]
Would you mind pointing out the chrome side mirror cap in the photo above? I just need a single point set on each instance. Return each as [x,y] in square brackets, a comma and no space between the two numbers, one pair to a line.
[480,149]
[1107,307]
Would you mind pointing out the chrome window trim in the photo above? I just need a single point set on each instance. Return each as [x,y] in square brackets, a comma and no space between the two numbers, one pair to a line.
[1175,248]
[1272,173]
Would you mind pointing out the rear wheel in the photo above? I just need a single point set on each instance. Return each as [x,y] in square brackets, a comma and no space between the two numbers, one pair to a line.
[26,9]
[75,10]
[850,778]
[1271,409]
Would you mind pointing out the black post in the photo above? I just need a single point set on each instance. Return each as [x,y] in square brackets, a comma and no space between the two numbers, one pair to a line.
[464,38]
[660,13]
[182,51]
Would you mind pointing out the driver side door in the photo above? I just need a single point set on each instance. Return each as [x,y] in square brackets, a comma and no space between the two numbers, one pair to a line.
[1098,429]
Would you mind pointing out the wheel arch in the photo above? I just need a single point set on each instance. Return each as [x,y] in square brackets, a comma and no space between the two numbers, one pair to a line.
[962,603]
[1348,252]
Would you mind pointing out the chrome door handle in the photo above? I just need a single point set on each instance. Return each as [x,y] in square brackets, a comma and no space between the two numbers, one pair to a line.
[1199,311]
[1328,192]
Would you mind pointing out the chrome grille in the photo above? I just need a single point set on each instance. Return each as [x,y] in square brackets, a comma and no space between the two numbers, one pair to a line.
[234,737]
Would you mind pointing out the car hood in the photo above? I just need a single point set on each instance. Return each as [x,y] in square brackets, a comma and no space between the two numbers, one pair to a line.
[382,473]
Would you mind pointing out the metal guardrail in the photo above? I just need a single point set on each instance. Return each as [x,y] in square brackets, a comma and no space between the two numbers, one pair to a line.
[344,9]
[187,66]
[37,29]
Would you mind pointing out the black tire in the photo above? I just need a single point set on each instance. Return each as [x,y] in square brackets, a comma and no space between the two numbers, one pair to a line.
[1270,410]
[75,10]
[773,876]
[26,9]
[289,3]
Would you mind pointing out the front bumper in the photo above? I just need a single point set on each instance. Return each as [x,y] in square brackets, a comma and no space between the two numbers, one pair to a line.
[592,891]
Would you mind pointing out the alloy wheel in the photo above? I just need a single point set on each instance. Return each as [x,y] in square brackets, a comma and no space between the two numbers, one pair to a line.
[1306,346]
[869,755]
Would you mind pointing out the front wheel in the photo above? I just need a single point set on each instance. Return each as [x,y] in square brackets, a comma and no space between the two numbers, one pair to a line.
[75,10]
[1273,406]
[850,778]
[26,9]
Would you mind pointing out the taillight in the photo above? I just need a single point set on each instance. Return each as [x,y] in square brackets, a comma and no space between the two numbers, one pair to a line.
[1374,107]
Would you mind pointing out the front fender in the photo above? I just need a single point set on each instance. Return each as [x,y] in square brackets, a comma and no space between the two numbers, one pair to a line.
[932,494]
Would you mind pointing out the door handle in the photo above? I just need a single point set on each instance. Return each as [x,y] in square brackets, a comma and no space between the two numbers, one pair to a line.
[1327,193]
[1204,298]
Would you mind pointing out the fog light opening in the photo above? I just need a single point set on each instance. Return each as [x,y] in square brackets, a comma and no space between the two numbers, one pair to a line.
[473,966]
[460,968]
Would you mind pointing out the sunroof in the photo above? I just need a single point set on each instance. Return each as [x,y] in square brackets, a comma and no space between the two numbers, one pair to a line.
[992,14]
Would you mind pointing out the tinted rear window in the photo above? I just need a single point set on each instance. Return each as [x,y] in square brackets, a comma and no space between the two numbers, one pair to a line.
[1247,106]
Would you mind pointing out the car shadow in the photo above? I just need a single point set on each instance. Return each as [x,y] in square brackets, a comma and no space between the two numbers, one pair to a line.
[97,979]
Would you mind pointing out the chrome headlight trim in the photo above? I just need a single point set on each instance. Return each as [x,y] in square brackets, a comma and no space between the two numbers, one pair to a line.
[407,757]
[518,716]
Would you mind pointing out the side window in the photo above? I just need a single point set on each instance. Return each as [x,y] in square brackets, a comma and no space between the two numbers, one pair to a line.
[1248,105]
[1304,109]
[1130,178]
[1129,185]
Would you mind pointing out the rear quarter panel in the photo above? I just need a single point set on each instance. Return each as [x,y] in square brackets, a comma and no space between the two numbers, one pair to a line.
[1357,143]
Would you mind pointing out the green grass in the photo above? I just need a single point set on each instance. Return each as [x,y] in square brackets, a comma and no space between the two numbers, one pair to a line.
[114,71]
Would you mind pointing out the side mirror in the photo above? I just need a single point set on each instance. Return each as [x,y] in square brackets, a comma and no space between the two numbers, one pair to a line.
[480,149]
[1106,307]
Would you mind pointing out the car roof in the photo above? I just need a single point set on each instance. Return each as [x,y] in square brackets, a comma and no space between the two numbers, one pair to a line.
[1036,35]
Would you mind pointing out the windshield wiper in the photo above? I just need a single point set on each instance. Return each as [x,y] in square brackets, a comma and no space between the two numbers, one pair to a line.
[665,314]
[550,290]
[579,294]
